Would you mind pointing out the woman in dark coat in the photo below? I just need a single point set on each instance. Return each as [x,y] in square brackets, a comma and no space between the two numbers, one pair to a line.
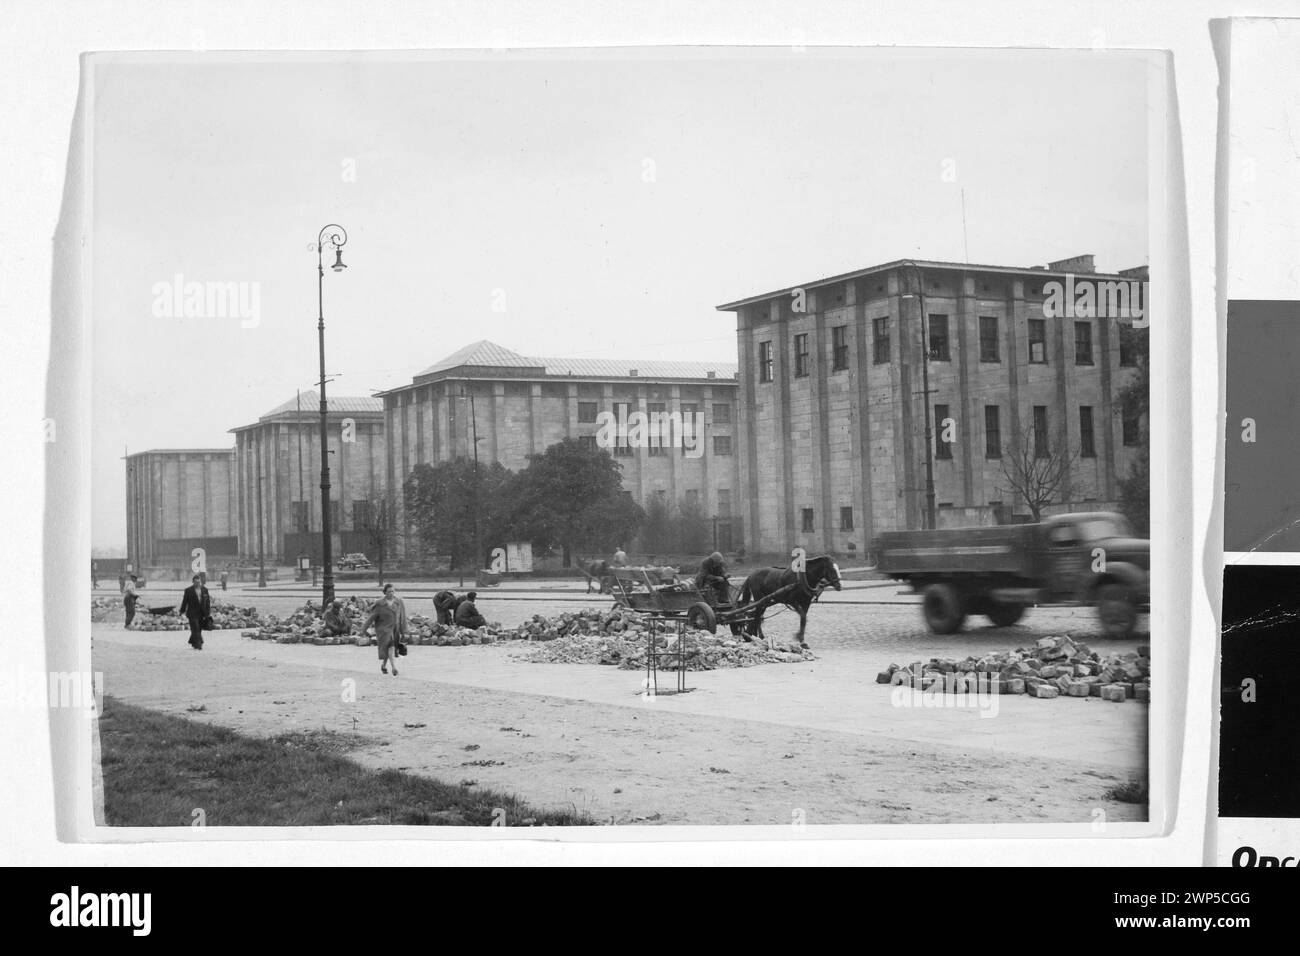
[384,617]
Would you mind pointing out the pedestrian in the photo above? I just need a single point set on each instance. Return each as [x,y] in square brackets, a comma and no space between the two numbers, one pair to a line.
[129,597]
[337,623]
[225,576]
[713,577]
[196,607]
[383,616]
[467,614]
[94,574]
[444,602]
[401,610]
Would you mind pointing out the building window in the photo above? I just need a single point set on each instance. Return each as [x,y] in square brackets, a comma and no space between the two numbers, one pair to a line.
[839,348]
[1087,445]
[1038,341]
[692,430]
[655,438]
[939,339]
[588,442]
[989,351]
[724,502]
[1132,420]
[621,448]
[1127,346]
[722,414]
[942,449]
[1082,343]
[880,340]
[587,413]
[360,515]
[722,444]
[992,431]
[801,355]
[334,515]
[300,516]
[1040,432]
[807,519]
[766,365]
[846,519]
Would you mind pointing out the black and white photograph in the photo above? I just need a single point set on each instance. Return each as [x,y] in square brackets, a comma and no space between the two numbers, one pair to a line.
[629,438]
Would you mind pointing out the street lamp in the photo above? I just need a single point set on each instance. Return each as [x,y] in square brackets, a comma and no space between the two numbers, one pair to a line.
[925,389]
[336,236]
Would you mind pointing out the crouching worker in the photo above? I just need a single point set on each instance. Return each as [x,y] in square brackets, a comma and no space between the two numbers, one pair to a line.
[336,623]
[713,577]
[467,614]
[444,602]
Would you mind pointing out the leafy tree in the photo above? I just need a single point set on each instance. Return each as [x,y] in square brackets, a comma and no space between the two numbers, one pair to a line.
[571,497]
[696,530]
[658,531]
[1135,399]
[456,505]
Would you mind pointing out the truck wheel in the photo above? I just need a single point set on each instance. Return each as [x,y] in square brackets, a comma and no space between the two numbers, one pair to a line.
[1116,610]
[943,609]
[700,617]
[1004,613]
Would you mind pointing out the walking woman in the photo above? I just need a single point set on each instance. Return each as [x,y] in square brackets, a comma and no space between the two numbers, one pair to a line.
[384,617]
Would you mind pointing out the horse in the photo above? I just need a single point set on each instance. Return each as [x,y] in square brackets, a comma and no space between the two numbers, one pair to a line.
[819,573]
[598,571]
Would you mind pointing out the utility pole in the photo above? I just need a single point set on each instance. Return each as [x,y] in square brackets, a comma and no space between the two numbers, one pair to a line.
[302,497]
[478,517]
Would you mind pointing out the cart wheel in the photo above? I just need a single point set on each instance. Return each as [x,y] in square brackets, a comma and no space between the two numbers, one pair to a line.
[700,617]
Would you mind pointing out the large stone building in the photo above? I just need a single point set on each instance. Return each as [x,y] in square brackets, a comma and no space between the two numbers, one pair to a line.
[178,499]
[277,467]
[517,405]
[832,410]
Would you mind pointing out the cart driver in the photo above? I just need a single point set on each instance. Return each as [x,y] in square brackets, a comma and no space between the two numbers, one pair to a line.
[713,578]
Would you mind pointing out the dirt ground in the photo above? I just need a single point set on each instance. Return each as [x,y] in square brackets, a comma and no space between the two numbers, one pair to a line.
[818,743]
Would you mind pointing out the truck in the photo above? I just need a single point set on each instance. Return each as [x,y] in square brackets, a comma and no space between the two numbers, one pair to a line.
[1087,558]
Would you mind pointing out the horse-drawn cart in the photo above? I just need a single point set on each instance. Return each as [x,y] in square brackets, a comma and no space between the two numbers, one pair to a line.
[639,589]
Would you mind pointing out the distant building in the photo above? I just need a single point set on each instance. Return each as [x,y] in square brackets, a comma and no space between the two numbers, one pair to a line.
[277,462]
[833,417]
[519,405]
[177,500]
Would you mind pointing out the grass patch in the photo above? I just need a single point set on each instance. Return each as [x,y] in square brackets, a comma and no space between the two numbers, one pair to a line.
[158,769]
[1132,792]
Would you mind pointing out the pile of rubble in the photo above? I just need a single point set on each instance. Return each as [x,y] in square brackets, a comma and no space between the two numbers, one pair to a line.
[224,615]
[303,626]
[621,638]
[1054,667]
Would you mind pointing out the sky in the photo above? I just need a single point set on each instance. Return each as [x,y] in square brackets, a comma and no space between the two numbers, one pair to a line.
[593,204]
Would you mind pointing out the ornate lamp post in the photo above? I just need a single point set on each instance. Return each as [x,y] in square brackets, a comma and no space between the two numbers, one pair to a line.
[336,236]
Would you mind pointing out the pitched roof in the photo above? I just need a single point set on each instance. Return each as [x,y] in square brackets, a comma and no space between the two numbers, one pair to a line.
[310,402]
[482,352]
[488,354]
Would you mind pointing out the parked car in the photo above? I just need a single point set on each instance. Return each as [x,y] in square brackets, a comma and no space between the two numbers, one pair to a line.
[1088,558]
[353,562]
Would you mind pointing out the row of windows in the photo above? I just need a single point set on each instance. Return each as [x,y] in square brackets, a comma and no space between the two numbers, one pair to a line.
[940,345]
[721,497]
[807,519]
[722,447]
[588,412]
[945,438]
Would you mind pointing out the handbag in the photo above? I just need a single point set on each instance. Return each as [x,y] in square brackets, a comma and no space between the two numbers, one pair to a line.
[401,649]
[207,624]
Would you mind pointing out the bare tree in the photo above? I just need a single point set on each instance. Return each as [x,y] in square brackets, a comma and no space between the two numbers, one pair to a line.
[379,525]
[1035,467]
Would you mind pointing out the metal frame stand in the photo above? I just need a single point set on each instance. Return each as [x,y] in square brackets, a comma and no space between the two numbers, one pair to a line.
[653,654]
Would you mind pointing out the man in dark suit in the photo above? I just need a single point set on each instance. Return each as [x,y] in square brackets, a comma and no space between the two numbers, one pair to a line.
[196,605]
